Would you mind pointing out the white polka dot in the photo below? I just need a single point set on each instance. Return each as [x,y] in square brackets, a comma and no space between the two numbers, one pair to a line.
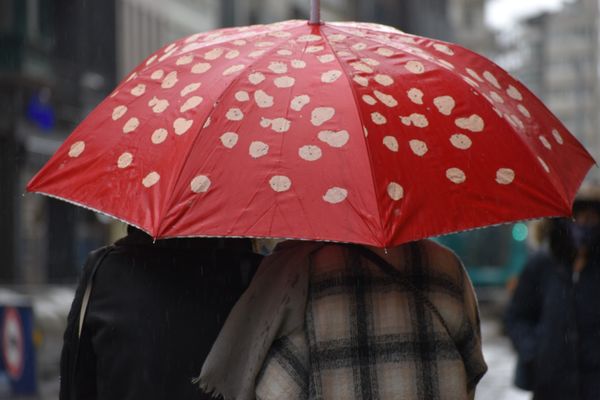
[418,147]
[158,74]
[284,82]
[359,46]
[310,153]
[264,44]
[151,179]
[258,149]
[415,95]
[239,42]
[514,93]
[125,160]
[229,139]
[76,149]
[309,38]
[473,123]
[284,52]
[233,69]
[182,125]
[326,58]
[234,114]
[170,80]
[461,141]
[358,66]
[139,90]
[200,184]
[544,165]
[474,74]
[395,191]
[415,67]
[213,54]
[505,176]
[262,99]
[385,52]
[330,76]
[200,68]
[278,67]
[524,110]
[151,59]
[189,89]
[298,64]
[280,183]
[242,95]
[314,49]
[230,55]
[118,112]
[131,125]
[491,79]
[496,97]
[206,123]
[337,37]
[370,61]
[443,49]
[277,124]
[335,195]
[416,119]
[184,60]
[446,64]
[256,78]
[384,80]
[391,143]
[455,175]
[334,138]
[378,119]
[361,80]
[159,136]
[131,77]
[191,103]
[557,136]
[320,115]
[370,100]
[470,81]
[299,102]
[158,105]
[386,99]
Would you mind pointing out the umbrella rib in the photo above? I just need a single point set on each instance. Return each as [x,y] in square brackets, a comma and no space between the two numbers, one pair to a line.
[230,85]
[362,123]
[556,184]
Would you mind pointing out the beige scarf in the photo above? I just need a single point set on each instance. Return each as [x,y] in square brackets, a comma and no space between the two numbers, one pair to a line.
[272,307]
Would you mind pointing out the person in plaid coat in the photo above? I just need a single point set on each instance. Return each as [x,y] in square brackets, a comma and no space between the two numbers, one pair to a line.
[333,321]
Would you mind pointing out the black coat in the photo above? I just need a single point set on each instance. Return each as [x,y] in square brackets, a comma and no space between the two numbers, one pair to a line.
[154,312]
[555,326]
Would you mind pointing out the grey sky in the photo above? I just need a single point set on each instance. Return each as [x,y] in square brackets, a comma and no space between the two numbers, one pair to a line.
[503,13]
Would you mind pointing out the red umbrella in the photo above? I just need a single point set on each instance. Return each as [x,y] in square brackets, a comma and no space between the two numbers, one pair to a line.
[349,132]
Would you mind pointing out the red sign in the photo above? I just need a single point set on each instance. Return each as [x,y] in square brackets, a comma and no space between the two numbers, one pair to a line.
[13,343]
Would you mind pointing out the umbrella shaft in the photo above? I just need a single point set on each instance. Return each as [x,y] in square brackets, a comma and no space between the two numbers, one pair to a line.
[315,12]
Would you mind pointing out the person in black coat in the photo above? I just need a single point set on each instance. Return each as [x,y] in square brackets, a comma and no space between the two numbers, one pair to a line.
[553,318]
[154,311]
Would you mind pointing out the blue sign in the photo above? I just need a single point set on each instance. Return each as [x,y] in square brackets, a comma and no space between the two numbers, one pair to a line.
[17,352]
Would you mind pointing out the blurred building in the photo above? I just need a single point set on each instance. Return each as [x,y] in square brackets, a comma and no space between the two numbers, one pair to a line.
[60,58]
[557,55]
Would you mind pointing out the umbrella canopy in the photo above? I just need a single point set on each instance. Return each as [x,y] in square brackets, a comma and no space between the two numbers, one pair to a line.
[349,132]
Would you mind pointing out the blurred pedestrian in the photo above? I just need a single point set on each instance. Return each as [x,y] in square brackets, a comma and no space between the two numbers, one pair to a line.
[553,318]
[146,313]
[336,321]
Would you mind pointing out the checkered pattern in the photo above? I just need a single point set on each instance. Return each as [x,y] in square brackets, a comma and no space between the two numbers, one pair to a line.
[368,336]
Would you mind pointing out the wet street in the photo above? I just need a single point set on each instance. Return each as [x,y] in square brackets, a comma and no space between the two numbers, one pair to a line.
[497,383]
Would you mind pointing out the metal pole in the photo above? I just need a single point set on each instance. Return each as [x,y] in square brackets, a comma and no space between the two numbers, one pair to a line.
[315,12]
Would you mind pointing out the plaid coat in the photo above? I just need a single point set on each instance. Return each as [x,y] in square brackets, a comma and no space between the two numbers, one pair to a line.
[368,335]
